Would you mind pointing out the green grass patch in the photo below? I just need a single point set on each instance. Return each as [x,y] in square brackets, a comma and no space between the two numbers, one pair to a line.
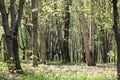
[60,72]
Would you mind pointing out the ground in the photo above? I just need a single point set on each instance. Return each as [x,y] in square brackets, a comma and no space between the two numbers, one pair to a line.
[63,72]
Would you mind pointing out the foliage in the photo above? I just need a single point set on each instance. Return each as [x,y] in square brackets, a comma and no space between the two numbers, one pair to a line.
[51,16]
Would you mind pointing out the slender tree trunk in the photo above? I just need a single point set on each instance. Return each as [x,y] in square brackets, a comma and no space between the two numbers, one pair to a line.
[23,44]
[104,51]
[35,32]
[28,18]
[92,33]
[42,45]
[59,32]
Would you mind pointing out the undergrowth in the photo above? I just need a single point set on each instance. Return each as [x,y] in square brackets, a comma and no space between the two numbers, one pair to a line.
[42,72]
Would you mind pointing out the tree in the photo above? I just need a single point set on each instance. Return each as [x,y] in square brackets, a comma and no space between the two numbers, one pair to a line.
[11,32]
[117,34]
[5,48]
[42,38]
[35,31]
[66,56]
[89,55]
[92,33]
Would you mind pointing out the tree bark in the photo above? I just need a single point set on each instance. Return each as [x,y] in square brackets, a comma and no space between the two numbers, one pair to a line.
[89,58]
[117,34]
[92,33]
[35,32]
[11,33]
[42,37]
[66,55]
[5,48]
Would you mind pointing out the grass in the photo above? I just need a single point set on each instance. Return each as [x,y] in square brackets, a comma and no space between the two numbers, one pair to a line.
[60,63]
[59,72]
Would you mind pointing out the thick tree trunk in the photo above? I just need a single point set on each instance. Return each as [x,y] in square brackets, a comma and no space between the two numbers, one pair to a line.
[92,33]
[42,38]
[12,45]
[117,34]
[11,33]
[66,55]
[42,45]
[18,67]
[5,48]
[89,57]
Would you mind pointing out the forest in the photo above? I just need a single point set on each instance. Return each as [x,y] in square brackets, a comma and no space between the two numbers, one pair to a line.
[59,40]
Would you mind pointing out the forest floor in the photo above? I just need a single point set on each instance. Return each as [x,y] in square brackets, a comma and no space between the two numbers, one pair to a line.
[94,70]
[62,72]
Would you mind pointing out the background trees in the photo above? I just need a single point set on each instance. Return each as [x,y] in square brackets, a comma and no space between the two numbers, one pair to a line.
[60,30]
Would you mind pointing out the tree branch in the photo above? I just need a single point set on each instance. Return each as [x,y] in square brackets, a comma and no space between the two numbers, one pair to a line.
[4,17]
[12,12]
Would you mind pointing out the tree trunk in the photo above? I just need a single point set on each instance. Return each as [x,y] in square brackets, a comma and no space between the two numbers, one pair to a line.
[89,58]
[92,33]
[42,45]
[117,34]
[42,38]
[104,50]
[11,33]
[59,32]
[16,55]
[66,56]
[35,32]
[5,48]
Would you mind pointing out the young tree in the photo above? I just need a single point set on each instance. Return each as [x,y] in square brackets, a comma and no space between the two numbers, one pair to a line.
[11,32]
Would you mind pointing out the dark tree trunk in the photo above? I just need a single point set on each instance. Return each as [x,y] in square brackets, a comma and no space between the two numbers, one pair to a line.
[104,50]
[47,46]
[92,33]
[16,54]
[83,51]
[11,33]
[117,34]
[5,48]
[65,54]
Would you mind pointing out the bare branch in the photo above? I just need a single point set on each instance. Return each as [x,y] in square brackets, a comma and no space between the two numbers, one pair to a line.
[19,14]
